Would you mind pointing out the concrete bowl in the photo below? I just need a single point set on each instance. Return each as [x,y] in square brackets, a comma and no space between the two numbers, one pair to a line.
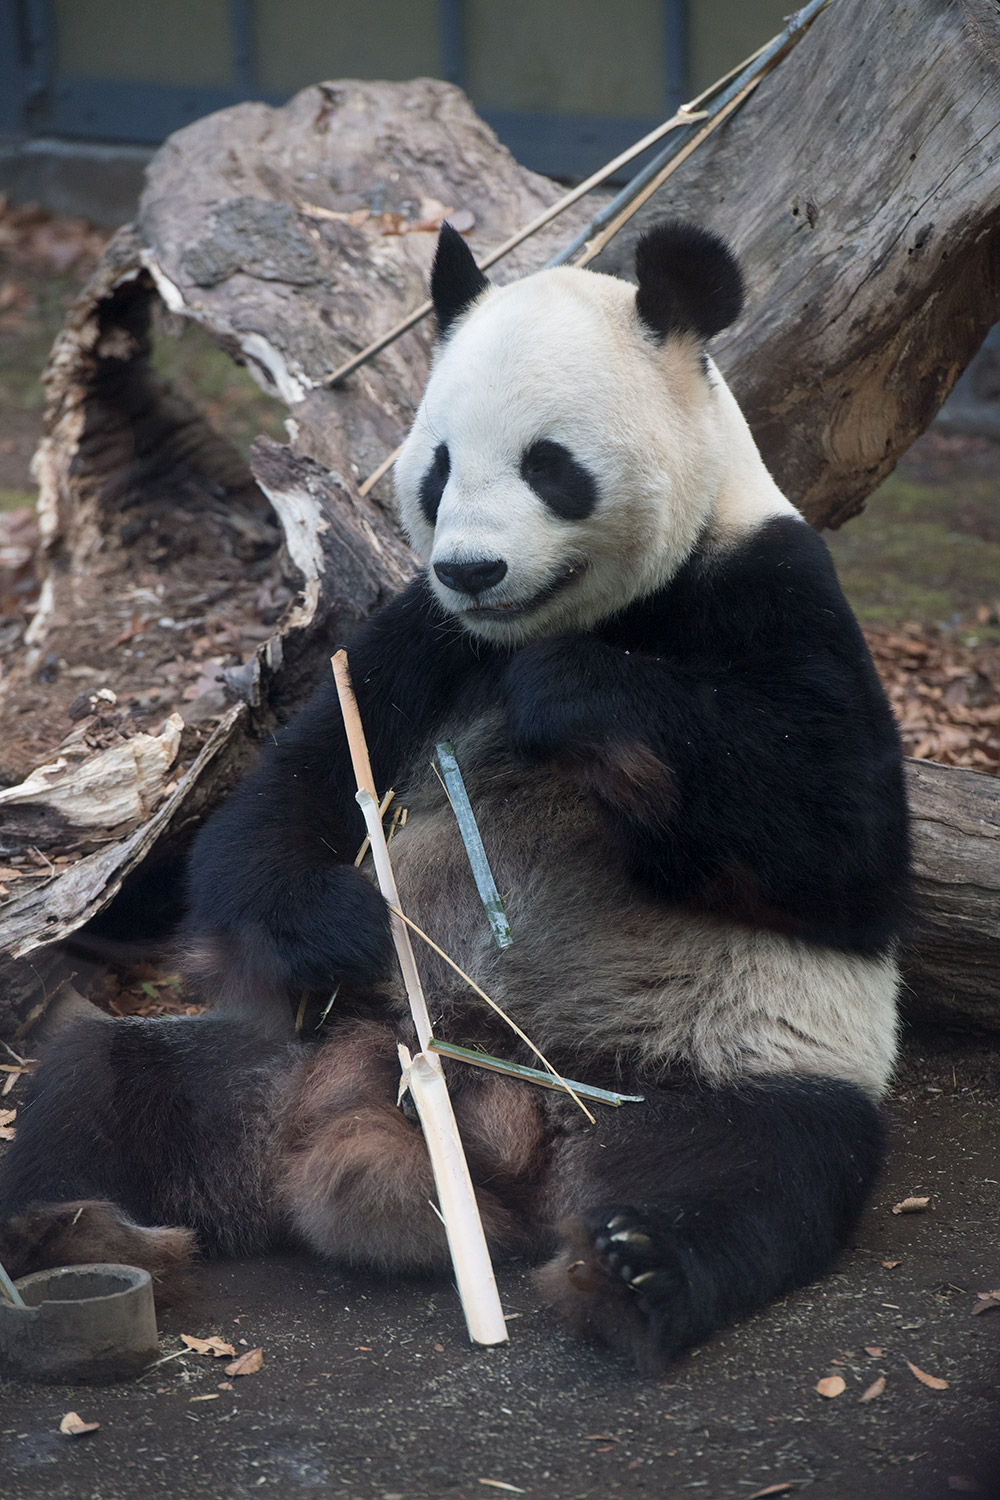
[82,1324]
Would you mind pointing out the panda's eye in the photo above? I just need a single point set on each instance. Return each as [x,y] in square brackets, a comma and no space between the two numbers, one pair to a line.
[433,483]
[568,489]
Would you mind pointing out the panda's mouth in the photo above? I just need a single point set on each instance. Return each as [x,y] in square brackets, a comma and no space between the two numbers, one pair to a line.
[516,608]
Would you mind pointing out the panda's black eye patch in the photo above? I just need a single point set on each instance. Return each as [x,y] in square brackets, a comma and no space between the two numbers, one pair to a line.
[568,489]
[433,483]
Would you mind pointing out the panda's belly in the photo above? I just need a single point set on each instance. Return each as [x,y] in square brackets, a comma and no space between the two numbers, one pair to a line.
[602,977]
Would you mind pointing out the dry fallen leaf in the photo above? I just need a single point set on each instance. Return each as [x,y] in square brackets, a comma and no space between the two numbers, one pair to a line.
[247,1364]
[912,1206]
[73,1425]
[875,1389]
[874,1351]
[891,1265]
[599,1437]
[986,1300]
[832,1385]
[215,1346]
[226,1385]
[935,1383]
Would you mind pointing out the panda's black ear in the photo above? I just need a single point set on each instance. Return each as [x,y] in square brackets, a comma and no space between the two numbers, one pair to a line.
[456,280]
[689,281]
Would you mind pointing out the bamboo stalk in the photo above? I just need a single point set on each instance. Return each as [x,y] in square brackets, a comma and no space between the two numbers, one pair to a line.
[597,244]
[466,1241]
[719,93]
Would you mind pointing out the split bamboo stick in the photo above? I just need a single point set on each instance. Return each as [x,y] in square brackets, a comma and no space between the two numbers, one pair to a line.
[423,1074]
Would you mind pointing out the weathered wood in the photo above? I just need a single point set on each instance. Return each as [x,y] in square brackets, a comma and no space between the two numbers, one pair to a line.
[953,968]
[860,185]
[271,228]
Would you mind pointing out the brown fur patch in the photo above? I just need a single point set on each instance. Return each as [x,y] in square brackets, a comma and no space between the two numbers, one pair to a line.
[353,1174]
[627,775]
[239,977]
[44,1235]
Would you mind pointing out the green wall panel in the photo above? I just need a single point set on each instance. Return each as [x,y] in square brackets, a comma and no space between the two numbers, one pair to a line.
[145,41]
[724,32]
[589,57]
[302,41]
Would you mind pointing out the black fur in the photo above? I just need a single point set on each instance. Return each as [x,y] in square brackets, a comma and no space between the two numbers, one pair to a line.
[153,1115]
[292,899]
[689,281]
[433,483]
[456,280]
[567,486]
[749,680]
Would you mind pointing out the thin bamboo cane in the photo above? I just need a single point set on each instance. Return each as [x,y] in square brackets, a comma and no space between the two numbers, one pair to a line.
[684,116]
[719,93]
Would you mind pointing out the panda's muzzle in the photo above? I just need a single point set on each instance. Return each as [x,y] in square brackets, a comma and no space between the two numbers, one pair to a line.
[504,609]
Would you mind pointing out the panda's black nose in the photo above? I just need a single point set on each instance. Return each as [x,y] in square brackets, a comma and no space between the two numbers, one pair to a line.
[471,577]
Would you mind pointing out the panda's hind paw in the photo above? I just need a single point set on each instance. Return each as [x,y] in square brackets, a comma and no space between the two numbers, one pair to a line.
[626,1247]
[619,1281]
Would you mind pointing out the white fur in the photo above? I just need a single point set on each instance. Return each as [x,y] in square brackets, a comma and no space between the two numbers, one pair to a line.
[562,355]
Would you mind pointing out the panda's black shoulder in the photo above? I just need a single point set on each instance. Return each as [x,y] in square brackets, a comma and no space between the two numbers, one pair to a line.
[774,589]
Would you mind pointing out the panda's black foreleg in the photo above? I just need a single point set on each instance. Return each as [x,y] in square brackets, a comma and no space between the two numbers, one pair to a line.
[688,1212]
[140,1138]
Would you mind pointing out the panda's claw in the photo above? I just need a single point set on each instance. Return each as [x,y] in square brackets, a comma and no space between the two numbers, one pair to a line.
[632,1237]
[625,1244]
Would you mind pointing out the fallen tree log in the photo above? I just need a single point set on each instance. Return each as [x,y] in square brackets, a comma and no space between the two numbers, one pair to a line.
[294,236]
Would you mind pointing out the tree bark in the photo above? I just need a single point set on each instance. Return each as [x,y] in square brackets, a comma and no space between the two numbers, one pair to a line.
[952,965]
[295,236]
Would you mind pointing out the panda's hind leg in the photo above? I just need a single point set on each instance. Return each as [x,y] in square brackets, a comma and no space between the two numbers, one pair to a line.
[140,1140]
[691,1210]
[355,1179]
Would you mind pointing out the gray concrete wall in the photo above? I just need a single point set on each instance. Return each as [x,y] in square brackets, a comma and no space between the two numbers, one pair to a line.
[75,179]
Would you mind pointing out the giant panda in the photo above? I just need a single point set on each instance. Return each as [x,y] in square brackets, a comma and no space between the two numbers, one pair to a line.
[689,787]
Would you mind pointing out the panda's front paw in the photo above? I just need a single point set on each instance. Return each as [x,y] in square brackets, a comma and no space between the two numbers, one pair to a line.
[554,698]
[626,1246]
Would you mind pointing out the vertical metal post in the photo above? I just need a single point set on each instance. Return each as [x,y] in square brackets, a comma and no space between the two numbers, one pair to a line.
[677,37]
[452,23]
[38,50]
[244,48]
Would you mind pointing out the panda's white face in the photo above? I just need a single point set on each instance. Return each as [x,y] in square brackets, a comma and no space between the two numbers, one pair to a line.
[563,460]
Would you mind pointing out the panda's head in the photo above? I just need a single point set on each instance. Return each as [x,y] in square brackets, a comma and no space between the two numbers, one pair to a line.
[569,446]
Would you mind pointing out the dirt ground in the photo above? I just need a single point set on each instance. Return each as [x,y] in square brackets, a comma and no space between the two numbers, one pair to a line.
[369,1389]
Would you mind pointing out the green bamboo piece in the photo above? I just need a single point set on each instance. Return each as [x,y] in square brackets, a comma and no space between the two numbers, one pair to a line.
[532,1075]
[472,839]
